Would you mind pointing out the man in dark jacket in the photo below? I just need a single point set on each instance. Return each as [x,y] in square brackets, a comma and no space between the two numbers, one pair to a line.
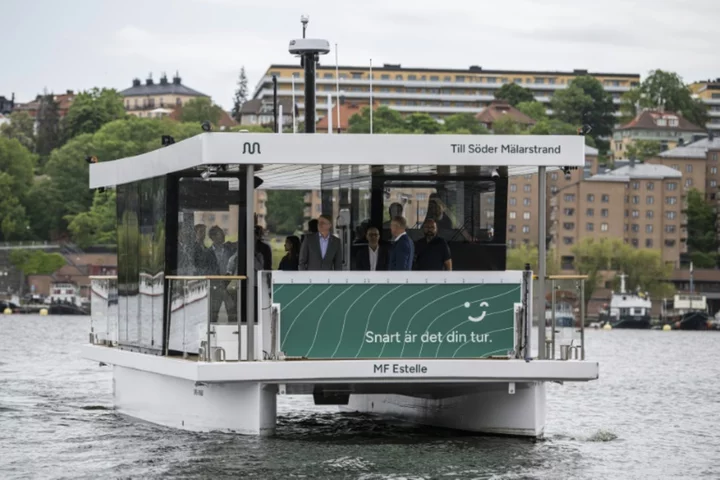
[374,257]
[403,250]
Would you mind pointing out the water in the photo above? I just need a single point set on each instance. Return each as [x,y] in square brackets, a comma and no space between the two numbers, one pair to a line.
[652,415]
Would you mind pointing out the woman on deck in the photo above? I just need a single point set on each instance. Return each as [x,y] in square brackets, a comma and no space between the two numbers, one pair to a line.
[290,261]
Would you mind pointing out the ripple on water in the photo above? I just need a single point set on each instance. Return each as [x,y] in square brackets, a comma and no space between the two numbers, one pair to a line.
[656,394]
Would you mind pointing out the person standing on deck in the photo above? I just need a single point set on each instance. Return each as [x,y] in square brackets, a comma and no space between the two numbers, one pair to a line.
[403,250]
[321,251]
[433,252]
[374,257]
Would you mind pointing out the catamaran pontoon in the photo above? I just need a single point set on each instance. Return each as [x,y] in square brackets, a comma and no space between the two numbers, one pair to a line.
[443,348]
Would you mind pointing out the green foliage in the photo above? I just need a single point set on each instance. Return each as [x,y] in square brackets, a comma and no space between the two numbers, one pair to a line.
[385,120]
[91,110]
[48,127]
[20,128]
[18,163]
[514,94]
[666,90]
[643,149]
[285,211]
[533,109]
[518,256]
[552,127]
[241,95]
[585,102]
[251,128]
[701,224]
[463,123]
[44,222]
[507,126]
[199,110]
[704,259]
[97,225]
[645,268]
[36,262]
[13,221]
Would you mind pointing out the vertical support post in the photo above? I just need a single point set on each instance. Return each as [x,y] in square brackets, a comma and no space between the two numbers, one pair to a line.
[309,64]
[280,125]
[292,80]
[250,262]
[582,319]
[542,257]
[209,314]
[371,98]
[330,114]
[553,323]
[527,311]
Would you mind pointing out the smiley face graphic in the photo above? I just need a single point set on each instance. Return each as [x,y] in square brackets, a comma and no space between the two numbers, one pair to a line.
[480,318]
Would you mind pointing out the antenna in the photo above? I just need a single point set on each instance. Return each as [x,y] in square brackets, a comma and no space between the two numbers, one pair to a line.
[337,87]
[371,99]
[304,19]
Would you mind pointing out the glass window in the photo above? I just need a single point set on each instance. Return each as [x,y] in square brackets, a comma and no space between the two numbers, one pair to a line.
[650,200]
[590,227]
[512,215]
[526,215]
[590,212]
[513,187]
[604,227]
[590,197]
[604,212]
[650,185]
[605,198]
[648,228]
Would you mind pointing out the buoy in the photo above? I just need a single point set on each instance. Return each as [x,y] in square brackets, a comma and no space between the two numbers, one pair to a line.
[666,327]
[43,311]
[7,311]
[607,326]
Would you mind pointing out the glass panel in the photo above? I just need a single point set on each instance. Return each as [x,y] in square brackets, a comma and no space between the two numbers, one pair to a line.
[132,266]
[158,261]
[122,216]
[145,281]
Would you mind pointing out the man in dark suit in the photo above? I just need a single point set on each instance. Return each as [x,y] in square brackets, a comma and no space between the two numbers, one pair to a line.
[403,250]
[374,257]
[221,253]
[321,251]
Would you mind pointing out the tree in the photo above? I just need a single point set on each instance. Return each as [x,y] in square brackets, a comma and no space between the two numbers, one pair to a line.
[48,127]
[421,123]
[99,224]
[643,149]
[20,128]
[514,94]
[461,122]
[645,268]
[13,221]
[507,126]
[666,91]
[702,233]
[199,110]
[91,110]
[518,256]
[285,211]
[535,110]
[18,163]
[585,102]
[251,128]
[385,120]
[36,262]
[241,95]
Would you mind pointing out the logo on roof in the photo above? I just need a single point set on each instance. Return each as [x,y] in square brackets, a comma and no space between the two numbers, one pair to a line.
[251,148]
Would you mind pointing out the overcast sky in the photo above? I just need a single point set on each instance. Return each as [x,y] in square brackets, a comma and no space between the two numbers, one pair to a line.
[79,44]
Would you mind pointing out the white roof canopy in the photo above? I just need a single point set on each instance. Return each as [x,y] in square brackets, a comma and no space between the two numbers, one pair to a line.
[295,161]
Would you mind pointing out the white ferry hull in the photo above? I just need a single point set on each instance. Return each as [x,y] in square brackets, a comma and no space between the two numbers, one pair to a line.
[237,407]
[491,410]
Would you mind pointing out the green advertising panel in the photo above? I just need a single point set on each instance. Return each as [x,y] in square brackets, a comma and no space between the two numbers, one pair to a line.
[382,320]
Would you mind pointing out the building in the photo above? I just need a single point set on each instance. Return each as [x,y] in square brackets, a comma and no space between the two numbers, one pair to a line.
[709,92]
[155,100]
[667,128]
[63,101]
[436,91]
[260,112]
[698,164]
[501,109]
[6,106]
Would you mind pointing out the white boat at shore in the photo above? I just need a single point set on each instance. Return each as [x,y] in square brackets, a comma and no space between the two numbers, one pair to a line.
[451,349]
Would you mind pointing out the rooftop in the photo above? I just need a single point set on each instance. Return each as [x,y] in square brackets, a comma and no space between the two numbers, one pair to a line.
[646,170]
[347,110]
[665,121]
[163,87]
[697,149]
[258,107]
[473,69]
[501,109]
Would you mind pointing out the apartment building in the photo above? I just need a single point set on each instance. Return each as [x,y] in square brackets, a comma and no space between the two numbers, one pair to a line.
[63,100]
[709,92]
[667,128]
[436,91]
[157,99]
[697,162]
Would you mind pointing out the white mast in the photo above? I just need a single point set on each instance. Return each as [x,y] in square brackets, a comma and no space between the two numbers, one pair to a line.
[371,98]
[330,115]
[292,79]
[337,85]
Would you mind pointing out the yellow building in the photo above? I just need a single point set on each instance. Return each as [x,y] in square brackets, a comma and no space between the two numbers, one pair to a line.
[709,92]
[438,92]
[667,128]
[154,100]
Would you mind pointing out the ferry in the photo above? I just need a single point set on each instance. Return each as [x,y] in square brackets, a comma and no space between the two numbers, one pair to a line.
[207,351]
[627,309]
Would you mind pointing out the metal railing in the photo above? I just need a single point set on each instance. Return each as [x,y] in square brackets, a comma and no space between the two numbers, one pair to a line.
[203,313]
[104,326]
[566,317]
